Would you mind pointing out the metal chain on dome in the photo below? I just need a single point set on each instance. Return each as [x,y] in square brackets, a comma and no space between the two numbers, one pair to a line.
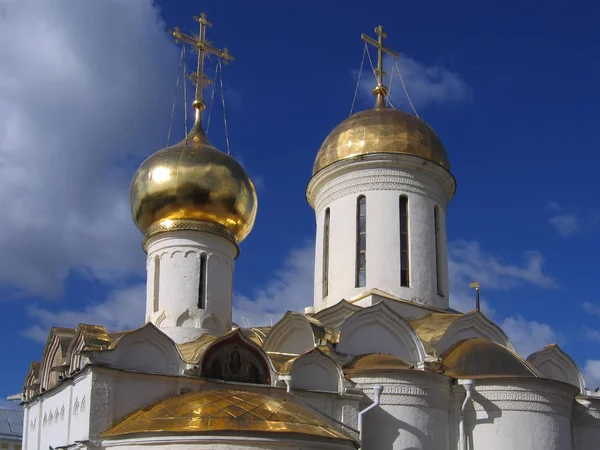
[359,75]
[212,99]
[223,99]
[404,87]
[175,95]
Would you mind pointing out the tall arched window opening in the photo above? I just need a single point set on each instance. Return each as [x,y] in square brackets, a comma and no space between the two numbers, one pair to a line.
[326,253]
[438,261]
[404,261]
[361,241]
[202,282]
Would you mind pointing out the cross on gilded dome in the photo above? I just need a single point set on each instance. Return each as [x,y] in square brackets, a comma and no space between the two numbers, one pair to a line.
[380,90]
[203,47]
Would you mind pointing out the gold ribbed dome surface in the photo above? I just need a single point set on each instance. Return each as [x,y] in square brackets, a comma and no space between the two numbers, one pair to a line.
[376,362]
[193,181]
[381,130]
[481,358]
[224,410]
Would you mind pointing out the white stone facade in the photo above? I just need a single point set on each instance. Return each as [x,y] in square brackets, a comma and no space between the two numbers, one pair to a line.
[178,301]
[382,179]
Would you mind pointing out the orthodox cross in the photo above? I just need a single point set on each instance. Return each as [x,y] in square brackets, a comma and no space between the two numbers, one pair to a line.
[380,90]
[477,287]
[203,47]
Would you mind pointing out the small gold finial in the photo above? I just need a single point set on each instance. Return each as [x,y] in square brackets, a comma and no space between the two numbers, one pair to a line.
[475,285]
[203,47]
[380,90]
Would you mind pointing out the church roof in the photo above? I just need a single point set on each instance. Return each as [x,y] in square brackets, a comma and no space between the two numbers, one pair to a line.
[376,362]
[225,410]
[11,424]
[482,358]
[432,327]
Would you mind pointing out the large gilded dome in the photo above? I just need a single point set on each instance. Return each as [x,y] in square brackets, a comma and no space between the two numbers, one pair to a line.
[192,184]
[381,130]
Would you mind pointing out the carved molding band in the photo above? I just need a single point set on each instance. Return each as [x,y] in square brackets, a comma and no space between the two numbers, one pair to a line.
[189,225]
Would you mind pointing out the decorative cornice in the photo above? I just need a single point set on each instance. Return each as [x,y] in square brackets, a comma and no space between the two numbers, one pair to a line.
[189,225]
[380,172]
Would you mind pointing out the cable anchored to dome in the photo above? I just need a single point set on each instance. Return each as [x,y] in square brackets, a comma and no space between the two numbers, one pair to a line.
[204,48]
[380,90]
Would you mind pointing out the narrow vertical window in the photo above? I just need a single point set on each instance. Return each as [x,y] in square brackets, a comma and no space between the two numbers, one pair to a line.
[202,282]
[404,262]
[438,262]
[156,283]
[326,253]
[361,241]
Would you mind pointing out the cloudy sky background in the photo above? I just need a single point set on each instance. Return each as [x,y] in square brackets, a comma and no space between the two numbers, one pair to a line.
[85,95]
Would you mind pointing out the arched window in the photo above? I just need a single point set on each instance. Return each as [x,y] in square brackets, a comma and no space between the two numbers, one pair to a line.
[361,241]
[326,253]
[202,282]
[404,261]
[438,261]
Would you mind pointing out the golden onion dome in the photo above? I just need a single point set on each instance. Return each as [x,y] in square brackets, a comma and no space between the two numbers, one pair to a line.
[225,410]
[481,358]
[381,130]
[192,185]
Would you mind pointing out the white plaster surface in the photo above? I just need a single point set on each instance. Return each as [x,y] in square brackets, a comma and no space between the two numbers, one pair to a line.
[173,266]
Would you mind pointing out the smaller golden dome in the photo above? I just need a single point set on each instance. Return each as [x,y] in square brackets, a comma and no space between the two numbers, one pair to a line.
[376,362]
[192,182]
[224,410]
[481,358]
[381,130]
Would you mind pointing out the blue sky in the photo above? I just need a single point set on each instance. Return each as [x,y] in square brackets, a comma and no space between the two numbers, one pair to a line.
[85,96]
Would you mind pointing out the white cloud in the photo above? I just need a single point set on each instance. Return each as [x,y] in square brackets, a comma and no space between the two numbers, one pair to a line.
[591,308]
[468,262]
[123,310]
[426,85]
[591,372]
[593,335]
[565,224]
[553,206]
[290,289]
[85,90]
[528,336]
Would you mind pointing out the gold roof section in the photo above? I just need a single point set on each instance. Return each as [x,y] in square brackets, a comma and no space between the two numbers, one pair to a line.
[224,410]
[381,131]
[480,358]
[192,352]
[432,327]
[376,362]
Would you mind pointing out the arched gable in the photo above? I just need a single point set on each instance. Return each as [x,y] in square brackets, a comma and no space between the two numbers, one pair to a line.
[554,363]
[55,356]
[315,371]
[294,333]
[472,325]
[334,315]
[32,383]
[378,329]
[87,338]
[146,349]
[236,358]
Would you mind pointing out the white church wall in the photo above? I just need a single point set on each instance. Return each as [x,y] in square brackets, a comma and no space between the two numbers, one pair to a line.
[413,413]
[586,423]
[173,266]
[292,334]
[532,414]
[382,179]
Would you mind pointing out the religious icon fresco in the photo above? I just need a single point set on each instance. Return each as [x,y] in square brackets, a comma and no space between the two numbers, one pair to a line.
[235,362]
